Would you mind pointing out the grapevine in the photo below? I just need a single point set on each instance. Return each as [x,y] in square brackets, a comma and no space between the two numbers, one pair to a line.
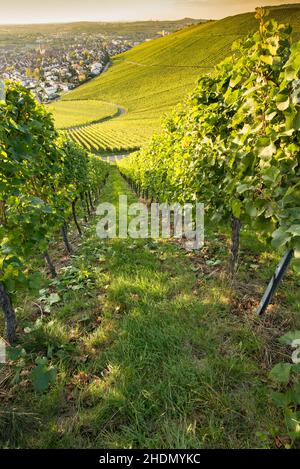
[235,144]
[41,178]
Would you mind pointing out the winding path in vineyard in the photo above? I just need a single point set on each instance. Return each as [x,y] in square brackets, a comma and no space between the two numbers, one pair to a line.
[87,134]
[120,112]
[162,66]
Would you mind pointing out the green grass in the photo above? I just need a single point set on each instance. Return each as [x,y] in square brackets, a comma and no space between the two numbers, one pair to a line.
[149,80]
[73,114]
[156,349]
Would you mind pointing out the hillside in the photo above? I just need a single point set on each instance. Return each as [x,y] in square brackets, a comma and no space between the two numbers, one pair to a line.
[152,78]
[86,112]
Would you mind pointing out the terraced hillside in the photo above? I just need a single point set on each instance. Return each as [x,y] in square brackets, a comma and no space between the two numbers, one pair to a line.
[152,78]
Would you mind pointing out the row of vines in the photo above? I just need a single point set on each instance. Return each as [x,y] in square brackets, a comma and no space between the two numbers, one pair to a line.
[43,176]
[235,146]
[98,139]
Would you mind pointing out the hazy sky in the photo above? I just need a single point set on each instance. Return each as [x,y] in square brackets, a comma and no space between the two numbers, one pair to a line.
[41,11]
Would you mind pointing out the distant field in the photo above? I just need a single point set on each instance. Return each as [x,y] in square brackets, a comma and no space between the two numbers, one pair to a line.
[133,30]
[149,80]
[74,113]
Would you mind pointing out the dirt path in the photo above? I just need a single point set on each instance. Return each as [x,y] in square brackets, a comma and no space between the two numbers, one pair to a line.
[120,112]
[166,66]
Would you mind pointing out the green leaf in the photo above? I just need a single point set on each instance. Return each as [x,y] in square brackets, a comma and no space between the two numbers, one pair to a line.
[289,337]
[236,208]
[42,376]
[296,246]
[281,399]
[268,59]
[281,373]
[271,174]
[241,188]
[293,423]
[296,265]
[14,353]
[35,281]
[295,393]
[291,74]
[265,148]
[251,210]
[280,238]
[296,121]
[53,299]
[294,230]
[283,106]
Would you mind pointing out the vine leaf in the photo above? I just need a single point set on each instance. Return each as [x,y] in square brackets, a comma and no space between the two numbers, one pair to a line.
[42,375]
[281,373]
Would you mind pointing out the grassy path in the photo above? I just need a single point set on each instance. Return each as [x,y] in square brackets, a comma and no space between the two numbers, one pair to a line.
[162,66]
[149,354]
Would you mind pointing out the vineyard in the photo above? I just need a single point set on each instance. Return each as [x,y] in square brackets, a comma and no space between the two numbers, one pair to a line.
[74,114]
[149,80]
[114,136]
[234,146]
[137,343]
[42,178]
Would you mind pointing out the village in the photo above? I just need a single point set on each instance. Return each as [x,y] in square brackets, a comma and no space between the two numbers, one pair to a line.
[52,59]
[54,64]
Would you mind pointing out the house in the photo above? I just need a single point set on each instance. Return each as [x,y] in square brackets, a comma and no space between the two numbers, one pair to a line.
[51,91]
[96,68]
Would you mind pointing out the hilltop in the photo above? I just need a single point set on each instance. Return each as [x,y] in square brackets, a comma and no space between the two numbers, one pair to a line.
[150,79]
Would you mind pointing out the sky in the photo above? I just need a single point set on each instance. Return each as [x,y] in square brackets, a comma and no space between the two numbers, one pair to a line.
[53,11]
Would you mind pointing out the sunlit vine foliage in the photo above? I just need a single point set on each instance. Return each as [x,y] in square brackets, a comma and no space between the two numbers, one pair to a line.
[41,175]
[235,144]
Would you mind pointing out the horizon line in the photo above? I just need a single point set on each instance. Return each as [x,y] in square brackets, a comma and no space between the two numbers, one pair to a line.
[108,22]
